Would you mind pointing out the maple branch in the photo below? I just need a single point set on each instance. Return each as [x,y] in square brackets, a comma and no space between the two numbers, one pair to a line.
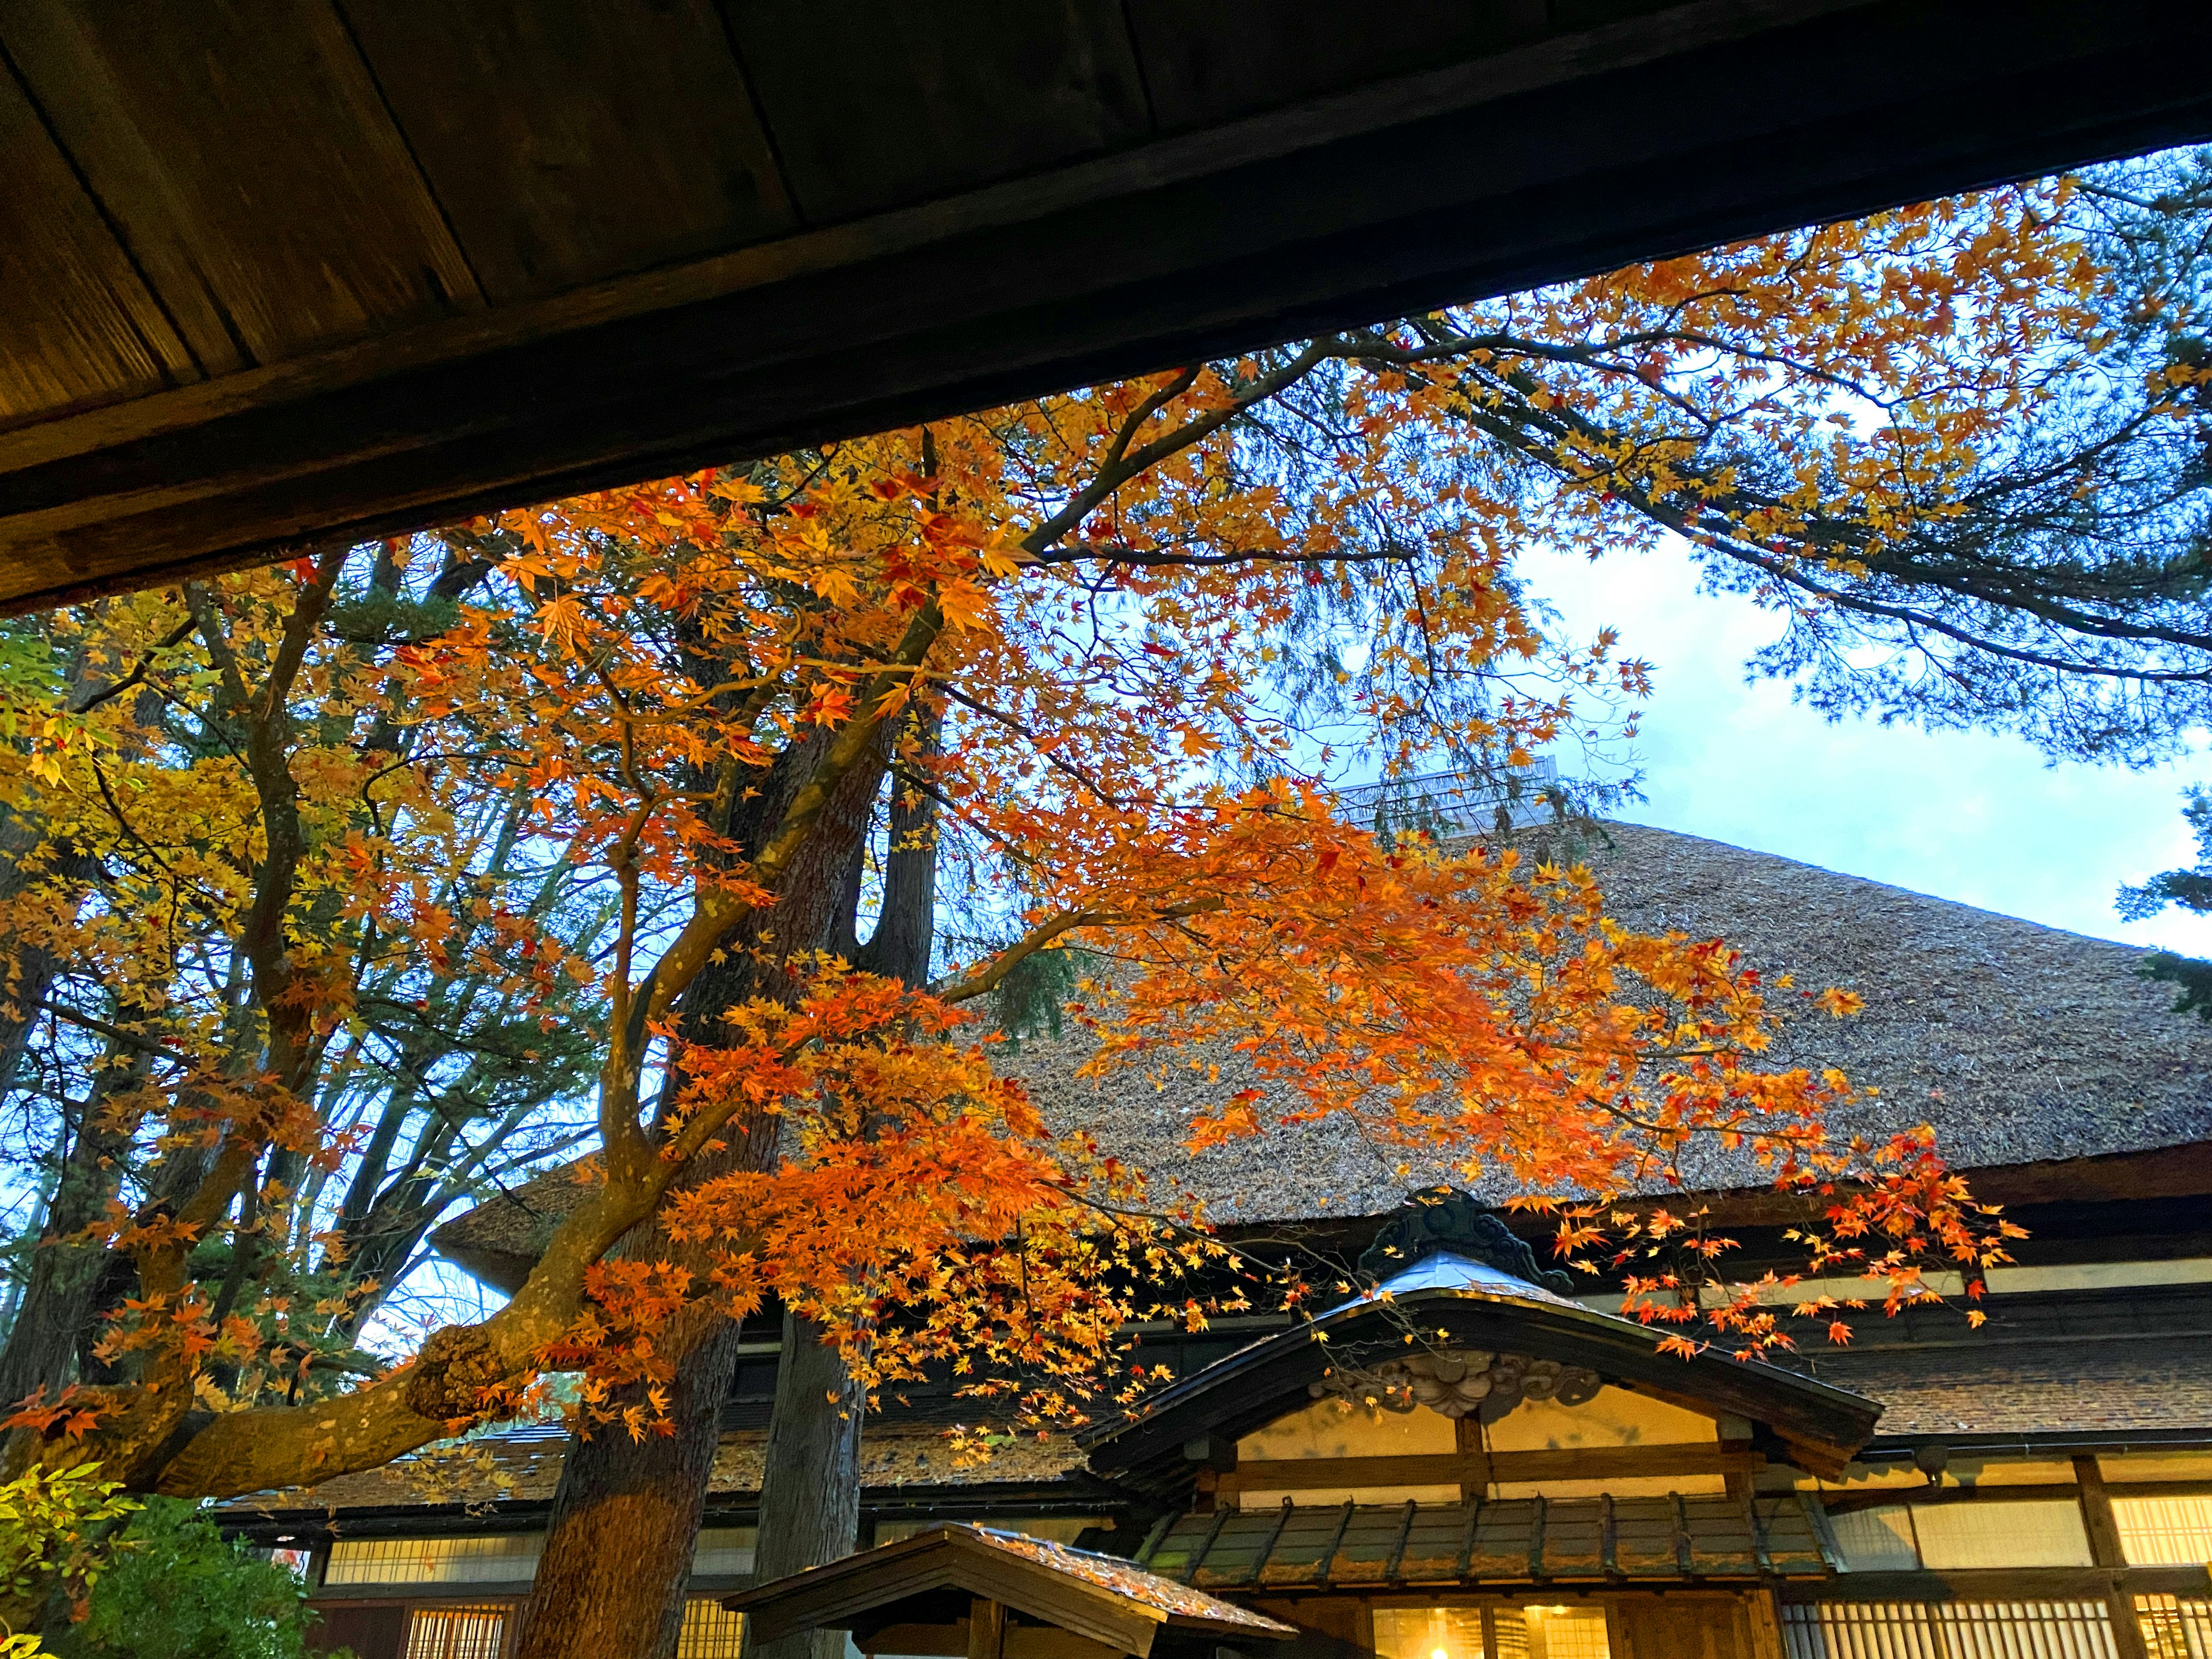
[115,1033]
[983,981]
[175,637]
[1122,467]
[1123,553]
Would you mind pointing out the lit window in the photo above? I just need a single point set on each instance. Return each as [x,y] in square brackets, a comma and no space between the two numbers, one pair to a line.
[2165,1532]
[457,1633]
[1428,1632]
[1948,1629]
[2175,1627]
[710,1630]
[485,1558]
[1562,1633]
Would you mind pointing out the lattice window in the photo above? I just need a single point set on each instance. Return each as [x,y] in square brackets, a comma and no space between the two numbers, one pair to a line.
[710,1630]
[484,1558]
[1475,1632]
[2175,1628]
[1948,1629]
[457,1633]
[1562,1633]
[2165,1532]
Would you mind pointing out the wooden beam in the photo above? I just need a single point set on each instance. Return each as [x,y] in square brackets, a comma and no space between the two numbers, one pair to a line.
[1642,131]
[1475,1471]
[2002,1584]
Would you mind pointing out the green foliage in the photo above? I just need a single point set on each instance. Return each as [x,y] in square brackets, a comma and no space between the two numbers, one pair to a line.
[175,1587]
[1028,1000]
[2193,974]
[54,1533]
[2192,891]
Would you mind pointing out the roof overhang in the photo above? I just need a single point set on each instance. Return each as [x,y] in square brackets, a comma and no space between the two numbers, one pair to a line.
[1814,1423]
[289,278]
[1101,1598]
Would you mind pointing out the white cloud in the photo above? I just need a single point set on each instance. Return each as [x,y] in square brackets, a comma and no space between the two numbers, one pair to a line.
[1976,819]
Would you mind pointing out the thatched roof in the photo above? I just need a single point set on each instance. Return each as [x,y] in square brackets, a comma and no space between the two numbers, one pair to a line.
[2021,1043]
[523,1466]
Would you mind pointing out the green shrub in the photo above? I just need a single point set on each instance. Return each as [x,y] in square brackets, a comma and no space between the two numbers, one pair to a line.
[55,1536]
[175,1587]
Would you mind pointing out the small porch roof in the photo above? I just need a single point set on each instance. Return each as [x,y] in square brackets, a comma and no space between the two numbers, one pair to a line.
[928,1580]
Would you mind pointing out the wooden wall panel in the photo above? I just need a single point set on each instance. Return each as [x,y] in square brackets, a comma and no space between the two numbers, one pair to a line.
[1688,1626]
[1213,60]
[873,106]
[244,152]
[622,136]
[110,340]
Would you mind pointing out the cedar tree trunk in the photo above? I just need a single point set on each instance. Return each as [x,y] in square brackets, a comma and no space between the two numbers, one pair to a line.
[618,1559]
[810,1501]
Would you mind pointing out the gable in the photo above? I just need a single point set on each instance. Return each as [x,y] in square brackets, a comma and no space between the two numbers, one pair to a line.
[1620,1441]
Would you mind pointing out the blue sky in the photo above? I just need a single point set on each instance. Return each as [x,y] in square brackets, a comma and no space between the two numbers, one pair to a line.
[1977,819]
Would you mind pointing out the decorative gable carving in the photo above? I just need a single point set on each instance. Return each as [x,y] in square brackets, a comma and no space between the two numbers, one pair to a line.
[1460,1383]
[1445,1219]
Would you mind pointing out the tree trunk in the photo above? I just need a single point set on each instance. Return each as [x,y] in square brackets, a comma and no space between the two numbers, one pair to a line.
[625,1520]
[810,1501]
[31,970]
[906,926]
[612,1582]
[62,1289]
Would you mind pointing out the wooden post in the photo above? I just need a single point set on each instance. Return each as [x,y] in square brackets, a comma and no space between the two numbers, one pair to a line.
[1762,1607]
[1473,1461]
[987,1628]
[2106,1551]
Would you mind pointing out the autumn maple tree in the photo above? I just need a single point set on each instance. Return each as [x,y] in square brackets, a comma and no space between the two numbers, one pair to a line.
[1085,674]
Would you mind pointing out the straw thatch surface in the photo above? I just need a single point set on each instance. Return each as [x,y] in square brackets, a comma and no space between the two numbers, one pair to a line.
[525,1466]
[2091,1388]
[2020,1043]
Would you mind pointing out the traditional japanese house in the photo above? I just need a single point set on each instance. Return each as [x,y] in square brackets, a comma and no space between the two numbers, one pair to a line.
[1533,1478]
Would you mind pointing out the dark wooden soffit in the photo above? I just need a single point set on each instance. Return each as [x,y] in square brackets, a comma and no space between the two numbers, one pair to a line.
[271,272]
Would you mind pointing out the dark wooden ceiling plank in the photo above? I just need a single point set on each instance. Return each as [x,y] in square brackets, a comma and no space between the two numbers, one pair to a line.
[1108,268]
[1103,187]
[1207,61]
[621,135]
[245,155]
[872,105]
[110,341]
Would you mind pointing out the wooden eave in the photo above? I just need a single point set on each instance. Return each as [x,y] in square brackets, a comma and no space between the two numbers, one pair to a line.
[1045,1582]
[299,272]
[1817,1426]
[1517,1541]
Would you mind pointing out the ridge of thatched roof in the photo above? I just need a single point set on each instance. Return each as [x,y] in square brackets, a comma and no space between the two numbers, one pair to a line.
[2020,1043]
